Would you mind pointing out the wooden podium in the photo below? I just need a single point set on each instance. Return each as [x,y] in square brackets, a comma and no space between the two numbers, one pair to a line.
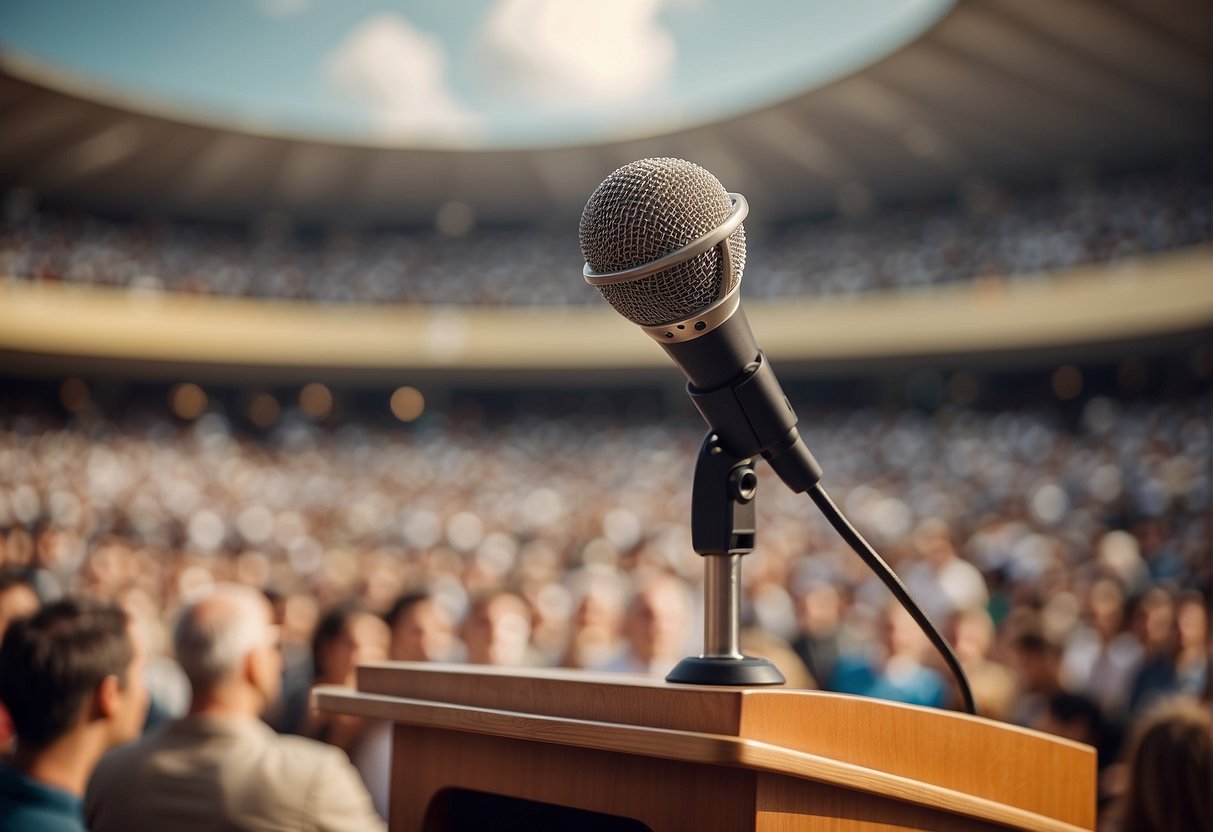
[552,749]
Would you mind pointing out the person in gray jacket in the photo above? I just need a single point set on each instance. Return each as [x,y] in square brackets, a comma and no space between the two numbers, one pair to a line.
[221,767]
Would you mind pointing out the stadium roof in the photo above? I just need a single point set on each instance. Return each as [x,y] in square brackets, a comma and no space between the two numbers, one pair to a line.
[994,89]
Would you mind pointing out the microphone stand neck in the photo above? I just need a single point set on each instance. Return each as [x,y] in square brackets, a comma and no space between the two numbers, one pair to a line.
[722,531]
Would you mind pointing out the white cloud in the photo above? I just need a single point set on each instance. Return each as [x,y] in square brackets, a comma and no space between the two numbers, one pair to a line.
[565,54]
[400,73]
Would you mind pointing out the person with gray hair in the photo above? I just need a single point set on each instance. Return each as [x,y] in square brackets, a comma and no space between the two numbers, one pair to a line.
[221,767]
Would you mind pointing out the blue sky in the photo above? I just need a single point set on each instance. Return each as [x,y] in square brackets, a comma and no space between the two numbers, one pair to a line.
[474,73]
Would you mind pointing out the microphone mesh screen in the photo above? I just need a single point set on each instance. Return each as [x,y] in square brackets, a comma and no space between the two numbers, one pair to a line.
[646,210]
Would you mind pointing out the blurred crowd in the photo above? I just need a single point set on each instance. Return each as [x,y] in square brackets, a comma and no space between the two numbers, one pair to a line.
[1066,557]
[989,234]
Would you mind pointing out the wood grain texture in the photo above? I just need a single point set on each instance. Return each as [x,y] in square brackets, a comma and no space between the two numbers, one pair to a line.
[978,757]
[664,795]
[786,804]
[683,747]
[602,697]
[975,756]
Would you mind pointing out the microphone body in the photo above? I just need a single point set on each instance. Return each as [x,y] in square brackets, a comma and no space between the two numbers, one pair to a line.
[664,244]
[718,356]
[732,385]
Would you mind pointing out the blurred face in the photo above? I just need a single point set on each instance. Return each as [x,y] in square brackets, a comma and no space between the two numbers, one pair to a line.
[1154,621]
[1106,604]
[423,633]
[597,612]
[821,609]
[18,601]
[498,632]
[1192,623]
[901,634]
[972,636]
[364,639]
[657,622]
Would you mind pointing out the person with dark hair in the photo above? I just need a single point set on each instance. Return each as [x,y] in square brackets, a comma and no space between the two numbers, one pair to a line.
[17,600]
[1169,770]
[346,636]
[221,767]
[1077,717]
[422,629]
[1036,661]
[71,678]
[820,609]
[1182,666]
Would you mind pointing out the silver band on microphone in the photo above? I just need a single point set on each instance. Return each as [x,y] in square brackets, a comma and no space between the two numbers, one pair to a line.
[705,320]
[698,246]
[702,322]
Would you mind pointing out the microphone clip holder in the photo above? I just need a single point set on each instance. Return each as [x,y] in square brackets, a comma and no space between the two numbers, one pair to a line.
[723,524]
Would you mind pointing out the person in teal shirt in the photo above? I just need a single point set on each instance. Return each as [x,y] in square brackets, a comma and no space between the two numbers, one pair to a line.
[71,678]
[896,671]
[27,805]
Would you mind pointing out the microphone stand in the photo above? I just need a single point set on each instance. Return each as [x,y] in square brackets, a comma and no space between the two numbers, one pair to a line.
[722,530]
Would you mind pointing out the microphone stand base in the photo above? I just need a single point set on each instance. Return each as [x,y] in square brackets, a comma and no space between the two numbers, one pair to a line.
[707,670]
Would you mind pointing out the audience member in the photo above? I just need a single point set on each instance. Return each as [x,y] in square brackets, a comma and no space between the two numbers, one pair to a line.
[1169,771]
[71,678]
[1103,656]
[819,642]
[1036,660]
[1176,662]
[17,600]
[422,630]
[941,581]
[347,636]
[295,616]
[993,684]
[498,630]
[1079,718]
[1192,654]
[597,621]
[656,628]
[221,767]
[896,669]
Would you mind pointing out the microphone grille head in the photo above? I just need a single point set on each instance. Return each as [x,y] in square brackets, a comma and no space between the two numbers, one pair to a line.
[646,210]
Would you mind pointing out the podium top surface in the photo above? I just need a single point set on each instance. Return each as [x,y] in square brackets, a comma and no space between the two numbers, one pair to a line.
[1024,778]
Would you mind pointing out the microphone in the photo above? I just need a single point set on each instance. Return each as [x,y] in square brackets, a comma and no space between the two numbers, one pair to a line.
[664,243]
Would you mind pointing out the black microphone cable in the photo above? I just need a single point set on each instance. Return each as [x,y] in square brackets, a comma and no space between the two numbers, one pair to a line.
[886,574]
